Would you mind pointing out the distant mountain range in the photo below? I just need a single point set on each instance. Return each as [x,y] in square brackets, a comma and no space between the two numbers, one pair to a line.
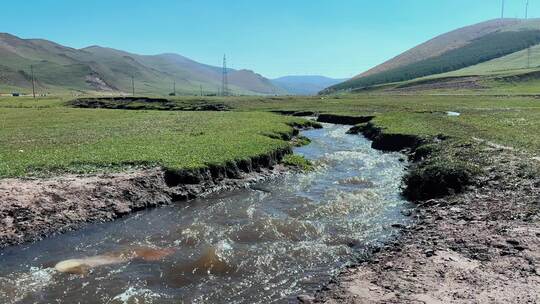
[472,57]
[305,85]
[98,69]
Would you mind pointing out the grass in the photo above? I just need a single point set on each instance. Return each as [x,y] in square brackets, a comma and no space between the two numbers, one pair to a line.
[509,120]
[46,138]
[517,61]
[298,161]
[443,167]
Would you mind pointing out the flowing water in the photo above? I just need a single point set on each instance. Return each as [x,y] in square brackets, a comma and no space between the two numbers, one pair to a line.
[265,244]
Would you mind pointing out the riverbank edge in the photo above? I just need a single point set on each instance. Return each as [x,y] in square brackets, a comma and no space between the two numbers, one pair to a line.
[33,209]
[408,268]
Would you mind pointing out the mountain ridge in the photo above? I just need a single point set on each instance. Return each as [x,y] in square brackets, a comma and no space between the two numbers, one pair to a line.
[305,84]
[457,49]
[96,69]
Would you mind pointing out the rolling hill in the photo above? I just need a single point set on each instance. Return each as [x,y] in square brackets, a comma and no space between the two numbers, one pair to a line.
[452,52]
[98,69]
[305,85]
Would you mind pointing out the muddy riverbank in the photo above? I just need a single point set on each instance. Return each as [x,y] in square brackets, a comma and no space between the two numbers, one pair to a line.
[481,246]
[31,209]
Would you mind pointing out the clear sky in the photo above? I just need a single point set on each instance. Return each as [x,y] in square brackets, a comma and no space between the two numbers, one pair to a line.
[336,38]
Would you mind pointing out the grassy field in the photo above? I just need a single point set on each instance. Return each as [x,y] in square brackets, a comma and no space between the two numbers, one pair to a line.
[512,121]
[43,137]
[445,166]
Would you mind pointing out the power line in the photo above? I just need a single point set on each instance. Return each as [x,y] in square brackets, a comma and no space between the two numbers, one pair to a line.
[224,80]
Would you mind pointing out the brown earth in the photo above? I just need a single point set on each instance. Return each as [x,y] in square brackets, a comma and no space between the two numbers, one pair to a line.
[482,246]
[31,209]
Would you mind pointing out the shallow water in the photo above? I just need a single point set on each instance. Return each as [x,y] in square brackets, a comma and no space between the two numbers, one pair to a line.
[265,244]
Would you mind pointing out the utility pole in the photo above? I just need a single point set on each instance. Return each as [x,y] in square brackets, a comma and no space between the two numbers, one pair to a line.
[33,85]
[174,88]
[201,90]
[502,10]
[225,80]
[527,10]
[132,86]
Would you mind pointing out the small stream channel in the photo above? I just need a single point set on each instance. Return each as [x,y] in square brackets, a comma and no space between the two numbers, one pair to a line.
[265,244]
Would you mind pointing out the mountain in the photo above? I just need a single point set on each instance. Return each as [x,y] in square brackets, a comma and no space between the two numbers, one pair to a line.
[93,69]
[449,52]
[305,85]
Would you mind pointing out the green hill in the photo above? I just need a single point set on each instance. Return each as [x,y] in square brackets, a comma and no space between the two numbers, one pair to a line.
[522,61]
[450,52]
[97,70]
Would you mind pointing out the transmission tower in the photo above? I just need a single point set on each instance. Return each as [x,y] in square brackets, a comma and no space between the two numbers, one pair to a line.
[225,80]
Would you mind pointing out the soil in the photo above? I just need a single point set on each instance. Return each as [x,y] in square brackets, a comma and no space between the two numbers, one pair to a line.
[142,103]
[31,209]
[481,246]
[344,119]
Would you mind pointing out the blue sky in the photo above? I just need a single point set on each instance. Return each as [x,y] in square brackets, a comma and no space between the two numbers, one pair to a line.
[336,38]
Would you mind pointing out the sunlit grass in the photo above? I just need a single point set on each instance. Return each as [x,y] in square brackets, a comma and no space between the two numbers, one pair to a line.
[512,121]
[58,139]
[44,136]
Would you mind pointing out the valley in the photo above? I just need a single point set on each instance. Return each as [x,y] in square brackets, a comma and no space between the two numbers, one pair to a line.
[155,178]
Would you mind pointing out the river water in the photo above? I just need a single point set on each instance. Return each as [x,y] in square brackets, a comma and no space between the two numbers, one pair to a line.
[265,244]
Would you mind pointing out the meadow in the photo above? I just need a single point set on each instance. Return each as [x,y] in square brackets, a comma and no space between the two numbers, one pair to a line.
[47,136]
[507,120]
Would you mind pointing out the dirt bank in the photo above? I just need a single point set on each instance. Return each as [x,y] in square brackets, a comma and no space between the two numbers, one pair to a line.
[344,119]
[31,209]
[480,246]
[146,103]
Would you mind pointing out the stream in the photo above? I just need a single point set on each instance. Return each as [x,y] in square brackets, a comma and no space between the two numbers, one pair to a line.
[265,244]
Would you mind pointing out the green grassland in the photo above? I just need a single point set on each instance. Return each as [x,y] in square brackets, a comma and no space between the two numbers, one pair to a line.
[523,61]
[454,151]
[511,120]
[47,136]
[44,137]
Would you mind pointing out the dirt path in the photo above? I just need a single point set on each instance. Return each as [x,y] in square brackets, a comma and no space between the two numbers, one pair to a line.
[479,247]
